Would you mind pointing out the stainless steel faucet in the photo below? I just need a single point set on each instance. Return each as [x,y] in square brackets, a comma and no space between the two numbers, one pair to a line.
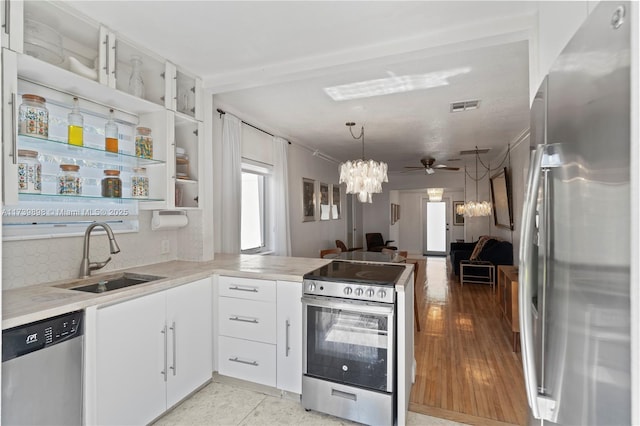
[86,266]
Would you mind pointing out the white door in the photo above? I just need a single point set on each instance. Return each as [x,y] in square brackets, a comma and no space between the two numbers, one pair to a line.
[189,338]
[435,227]
[130,350]
[289,340]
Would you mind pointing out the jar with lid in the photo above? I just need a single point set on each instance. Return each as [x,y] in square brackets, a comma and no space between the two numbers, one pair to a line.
[69,181]
[111,184]
[33,117]
[144,142]
[139,183]
[29,172]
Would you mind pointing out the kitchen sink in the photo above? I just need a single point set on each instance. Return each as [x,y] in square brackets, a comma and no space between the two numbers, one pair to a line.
[116,282]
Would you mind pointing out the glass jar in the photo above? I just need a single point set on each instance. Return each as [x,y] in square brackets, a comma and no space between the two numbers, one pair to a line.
[139,183]
[69,181]
[144,142]
[29,172]
[76,125]
[111,184]
[33,117]
[136,84]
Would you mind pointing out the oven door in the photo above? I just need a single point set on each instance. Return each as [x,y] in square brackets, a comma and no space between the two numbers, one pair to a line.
[349,342]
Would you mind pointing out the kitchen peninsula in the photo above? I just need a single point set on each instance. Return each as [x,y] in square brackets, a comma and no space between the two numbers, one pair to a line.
[33,303]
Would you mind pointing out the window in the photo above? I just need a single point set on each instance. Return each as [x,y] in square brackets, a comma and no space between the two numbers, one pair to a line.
[254,217]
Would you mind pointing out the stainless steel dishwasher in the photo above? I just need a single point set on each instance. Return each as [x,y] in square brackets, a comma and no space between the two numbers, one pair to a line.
[42,372]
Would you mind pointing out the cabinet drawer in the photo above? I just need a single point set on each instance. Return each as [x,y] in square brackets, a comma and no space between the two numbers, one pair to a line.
[251,361]
[247,319]
[248,288]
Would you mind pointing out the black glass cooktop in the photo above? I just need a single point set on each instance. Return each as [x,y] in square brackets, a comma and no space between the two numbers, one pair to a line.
[357,272]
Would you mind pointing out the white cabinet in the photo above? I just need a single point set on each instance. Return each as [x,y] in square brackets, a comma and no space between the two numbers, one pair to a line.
[151,352]
[260,331]
[57,48]
[289,341]
[247,329]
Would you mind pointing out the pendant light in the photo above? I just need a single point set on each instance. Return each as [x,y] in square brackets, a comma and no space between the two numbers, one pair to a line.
[363,177]
[474,208]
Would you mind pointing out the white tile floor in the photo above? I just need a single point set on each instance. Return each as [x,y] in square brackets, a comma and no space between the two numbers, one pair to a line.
[228,404]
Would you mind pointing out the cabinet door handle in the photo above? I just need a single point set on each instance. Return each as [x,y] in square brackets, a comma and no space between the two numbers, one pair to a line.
[106,43]
[173,330]
[237,318]
[7,20]
[14,147]
[249,289]
[286,334]
[115,61]
[164,333]
[236,359]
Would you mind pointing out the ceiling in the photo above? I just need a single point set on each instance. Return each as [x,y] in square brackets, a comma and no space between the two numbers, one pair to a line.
[269,63]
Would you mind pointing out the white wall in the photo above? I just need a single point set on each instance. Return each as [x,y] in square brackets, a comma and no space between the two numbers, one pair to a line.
[308,238]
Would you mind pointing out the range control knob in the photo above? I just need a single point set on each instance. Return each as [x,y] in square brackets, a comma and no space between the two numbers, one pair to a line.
[370,292]
[311,287]
[348,290]
[359,291]
[382,294]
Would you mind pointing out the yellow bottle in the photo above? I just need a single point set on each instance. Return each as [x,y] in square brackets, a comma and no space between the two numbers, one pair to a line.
[76,123]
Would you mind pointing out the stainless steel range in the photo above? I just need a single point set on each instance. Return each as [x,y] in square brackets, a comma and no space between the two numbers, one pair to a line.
[349,360]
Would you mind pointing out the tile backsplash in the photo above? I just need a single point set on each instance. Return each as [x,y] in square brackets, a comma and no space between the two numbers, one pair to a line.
[31,262]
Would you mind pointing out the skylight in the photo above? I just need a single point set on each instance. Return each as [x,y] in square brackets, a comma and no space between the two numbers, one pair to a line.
[393,84]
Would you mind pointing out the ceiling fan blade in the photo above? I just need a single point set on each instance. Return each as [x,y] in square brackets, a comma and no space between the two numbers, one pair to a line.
[445,167]
[414,167]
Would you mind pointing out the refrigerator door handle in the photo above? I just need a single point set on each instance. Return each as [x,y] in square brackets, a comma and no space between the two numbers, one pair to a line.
[526,281]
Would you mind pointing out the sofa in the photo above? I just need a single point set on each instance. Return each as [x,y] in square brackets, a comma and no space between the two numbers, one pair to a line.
[495,250]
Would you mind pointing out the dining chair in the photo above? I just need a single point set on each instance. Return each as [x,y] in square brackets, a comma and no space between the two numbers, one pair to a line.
[375,242]
[336,250]
[342,246]
[416,274]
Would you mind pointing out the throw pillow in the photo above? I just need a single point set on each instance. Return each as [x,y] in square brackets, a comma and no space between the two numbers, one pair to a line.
[479,246]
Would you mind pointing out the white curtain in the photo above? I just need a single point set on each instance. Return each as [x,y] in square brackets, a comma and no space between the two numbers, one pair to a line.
[231,183]
[280,198]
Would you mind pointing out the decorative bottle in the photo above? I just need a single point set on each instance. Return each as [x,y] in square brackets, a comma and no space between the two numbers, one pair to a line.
[76,122]
[136,84]
[111,134]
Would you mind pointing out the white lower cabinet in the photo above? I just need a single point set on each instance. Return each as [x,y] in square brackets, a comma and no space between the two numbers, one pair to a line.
[260,331]
[289,341]
[151,352]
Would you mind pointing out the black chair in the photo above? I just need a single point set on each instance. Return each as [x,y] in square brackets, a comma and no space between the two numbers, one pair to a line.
[375,242]
[342,246]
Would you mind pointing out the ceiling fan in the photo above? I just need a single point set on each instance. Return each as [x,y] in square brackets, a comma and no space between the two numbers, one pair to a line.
[429,167]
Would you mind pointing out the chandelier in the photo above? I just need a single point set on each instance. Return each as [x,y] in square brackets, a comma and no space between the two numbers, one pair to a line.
[474,208]
[435,194]
[363,177]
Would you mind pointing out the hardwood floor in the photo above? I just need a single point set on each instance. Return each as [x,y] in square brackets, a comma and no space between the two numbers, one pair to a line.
[466,370]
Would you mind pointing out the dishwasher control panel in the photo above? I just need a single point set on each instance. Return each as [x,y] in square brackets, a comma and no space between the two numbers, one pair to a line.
[24,339]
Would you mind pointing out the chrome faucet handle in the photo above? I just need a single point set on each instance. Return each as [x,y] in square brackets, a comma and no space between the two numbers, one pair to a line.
[98,265]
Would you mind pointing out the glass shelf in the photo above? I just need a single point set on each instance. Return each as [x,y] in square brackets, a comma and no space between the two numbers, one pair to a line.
[58,197]
[87,153]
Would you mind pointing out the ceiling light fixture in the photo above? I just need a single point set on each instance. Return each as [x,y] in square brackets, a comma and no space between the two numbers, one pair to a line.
[363,177]
[474,208]
[435,194]
[393,84]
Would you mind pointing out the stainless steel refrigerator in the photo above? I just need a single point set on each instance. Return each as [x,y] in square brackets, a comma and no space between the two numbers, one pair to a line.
[575,256]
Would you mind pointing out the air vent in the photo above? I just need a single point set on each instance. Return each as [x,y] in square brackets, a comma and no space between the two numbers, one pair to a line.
[464,105]
[473,151]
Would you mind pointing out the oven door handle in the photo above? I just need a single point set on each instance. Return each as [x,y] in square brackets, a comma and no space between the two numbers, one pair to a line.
[351,305]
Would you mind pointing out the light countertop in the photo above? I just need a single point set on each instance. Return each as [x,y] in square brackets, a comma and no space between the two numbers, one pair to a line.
[33,303]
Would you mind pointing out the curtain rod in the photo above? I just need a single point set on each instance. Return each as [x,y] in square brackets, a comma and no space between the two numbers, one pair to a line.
[221,112]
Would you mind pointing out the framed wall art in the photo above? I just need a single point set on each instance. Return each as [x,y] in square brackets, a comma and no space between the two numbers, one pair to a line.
[308,200]
[335,202]
[325,207]
[458,219]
